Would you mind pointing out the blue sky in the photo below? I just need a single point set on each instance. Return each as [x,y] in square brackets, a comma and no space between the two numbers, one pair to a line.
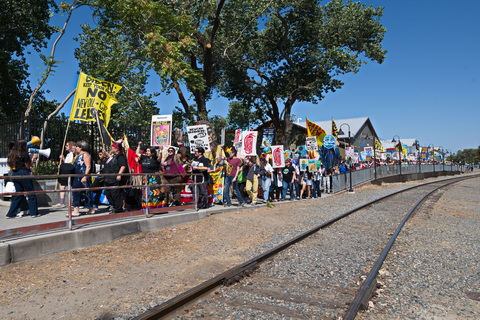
[427,88]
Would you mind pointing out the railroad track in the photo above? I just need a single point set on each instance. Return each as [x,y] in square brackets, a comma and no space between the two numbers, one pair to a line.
[346,257]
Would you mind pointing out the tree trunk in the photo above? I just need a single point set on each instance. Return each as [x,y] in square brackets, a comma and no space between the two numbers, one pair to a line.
[287,129]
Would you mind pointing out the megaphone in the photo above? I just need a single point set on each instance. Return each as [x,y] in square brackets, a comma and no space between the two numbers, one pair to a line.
[35,140]
[43,152]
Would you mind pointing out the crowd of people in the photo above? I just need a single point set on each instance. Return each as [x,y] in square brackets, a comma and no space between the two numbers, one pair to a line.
[173,178]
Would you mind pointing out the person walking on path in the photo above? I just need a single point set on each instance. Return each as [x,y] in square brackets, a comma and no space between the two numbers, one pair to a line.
[232,170]
[20,163]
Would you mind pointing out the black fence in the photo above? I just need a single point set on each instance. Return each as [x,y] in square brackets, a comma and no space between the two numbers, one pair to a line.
[56,131]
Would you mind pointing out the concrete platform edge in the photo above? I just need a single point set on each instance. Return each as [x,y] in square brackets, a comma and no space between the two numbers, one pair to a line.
[36,246]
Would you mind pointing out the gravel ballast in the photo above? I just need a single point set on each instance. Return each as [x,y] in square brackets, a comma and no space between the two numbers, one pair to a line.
[123,278]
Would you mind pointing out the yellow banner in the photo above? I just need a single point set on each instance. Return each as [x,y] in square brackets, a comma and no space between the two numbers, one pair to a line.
[378,145]
[93,94]
[314,130]
[334,129]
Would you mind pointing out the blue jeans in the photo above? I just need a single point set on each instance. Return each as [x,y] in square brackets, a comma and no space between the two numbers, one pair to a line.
[316,192]
[296,185]
[78,196]
[226,191]
[266,183]
[287,186]
[23,185]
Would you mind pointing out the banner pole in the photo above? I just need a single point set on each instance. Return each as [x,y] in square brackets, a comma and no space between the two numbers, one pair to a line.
[99,129]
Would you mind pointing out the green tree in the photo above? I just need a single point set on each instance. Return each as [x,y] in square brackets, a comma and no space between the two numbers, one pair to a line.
[184,41]
[241,116]
[109,55]
[466,156]
[299,54]
[23,26]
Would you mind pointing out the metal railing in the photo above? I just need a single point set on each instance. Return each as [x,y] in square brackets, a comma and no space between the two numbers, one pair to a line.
[341,181]
[69,190]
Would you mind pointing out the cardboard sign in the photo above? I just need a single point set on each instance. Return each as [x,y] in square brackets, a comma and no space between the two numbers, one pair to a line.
[161,131]
[198,137]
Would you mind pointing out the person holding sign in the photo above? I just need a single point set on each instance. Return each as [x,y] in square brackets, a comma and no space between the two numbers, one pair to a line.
[172,174]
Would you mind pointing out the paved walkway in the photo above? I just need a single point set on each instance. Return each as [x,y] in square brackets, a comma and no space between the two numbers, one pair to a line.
[27,237]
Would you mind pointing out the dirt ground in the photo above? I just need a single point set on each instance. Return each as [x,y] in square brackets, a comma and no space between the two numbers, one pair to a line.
[111,279]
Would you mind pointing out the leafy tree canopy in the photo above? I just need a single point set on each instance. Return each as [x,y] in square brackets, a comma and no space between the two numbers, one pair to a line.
[22,25]
[300,53]
[184,41]
[109,55]
[466,156]
[267,54]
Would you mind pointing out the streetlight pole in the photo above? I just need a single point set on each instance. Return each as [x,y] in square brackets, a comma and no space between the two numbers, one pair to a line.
[433,155]
[350,144]
[399,150]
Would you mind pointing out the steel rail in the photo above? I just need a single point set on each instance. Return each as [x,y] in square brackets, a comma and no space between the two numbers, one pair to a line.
[230,276]
[365,288]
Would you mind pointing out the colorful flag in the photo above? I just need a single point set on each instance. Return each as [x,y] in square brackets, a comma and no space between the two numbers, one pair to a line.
[378,145]
[93,94]
[334,129]
[314,130]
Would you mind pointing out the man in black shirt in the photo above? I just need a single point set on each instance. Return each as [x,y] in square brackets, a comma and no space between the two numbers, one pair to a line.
[201,165]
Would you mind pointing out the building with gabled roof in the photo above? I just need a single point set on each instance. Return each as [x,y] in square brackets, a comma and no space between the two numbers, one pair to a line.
[362,132]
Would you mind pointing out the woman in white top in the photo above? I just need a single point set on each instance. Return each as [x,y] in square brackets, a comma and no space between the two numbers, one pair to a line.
[65,167]
[266,172]
[306,184]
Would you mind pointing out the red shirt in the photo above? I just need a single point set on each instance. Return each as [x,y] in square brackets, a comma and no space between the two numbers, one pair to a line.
[232,166]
